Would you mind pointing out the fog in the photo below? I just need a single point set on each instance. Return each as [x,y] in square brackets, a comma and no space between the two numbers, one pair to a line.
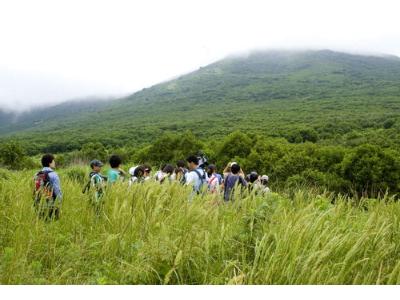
[53,51]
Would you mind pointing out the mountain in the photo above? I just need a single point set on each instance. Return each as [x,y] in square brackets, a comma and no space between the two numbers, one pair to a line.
[11,122]
[330,95]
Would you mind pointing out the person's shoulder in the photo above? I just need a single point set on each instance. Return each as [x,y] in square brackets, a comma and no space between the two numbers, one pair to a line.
[96,175]
[52,173]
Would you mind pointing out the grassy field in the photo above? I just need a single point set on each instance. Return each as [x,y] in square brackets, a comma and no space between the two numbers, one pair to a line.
[151,234]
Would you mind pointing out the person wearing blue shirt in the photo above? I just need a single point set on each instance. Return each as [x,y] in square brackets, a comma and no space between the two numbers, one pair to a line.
[115,174]
[54,204]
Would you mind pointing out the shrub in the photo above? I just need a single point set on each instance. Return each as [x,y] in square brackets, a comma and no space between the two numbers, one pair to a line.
[77,174]
[372,170]
[12,155]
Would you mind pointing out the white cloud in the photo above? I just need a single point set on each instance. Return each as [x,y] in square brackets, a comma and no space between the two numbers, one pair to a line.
[98,47]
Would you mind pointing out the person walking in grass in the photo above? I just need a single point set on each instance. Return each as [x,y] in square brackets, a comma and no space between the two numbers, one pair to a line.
[264,180]
[115,174]
[228,170]
[47,191]
[166,174]
[253,181]
[180,172]
[196,176]
[147,172]
[233,180]
[137,174]
[97,183]
[214,179]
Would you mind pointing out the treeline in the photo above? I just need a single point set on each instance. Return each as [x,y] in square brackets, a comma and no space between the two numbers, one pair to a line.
[383,131]
[365,170]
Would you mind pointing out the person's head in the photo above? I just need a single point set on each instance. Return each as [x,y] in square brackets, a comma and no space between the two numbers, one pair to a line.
[193,162]
[48,161]
[115,161]
[264,179]
[211,169]
[146,170]
[203,162]
[180,164]
[169,169]
[139,171]
[235,169]
[96,165]
[253,176]
[178,170]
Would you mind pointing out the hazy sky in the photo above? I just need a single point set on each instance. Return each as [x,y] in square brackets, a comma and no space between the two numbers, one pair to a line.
[56,50]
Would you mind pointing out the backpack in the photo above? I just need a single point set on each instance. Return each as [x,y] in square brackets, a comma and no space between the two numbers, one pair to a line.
[91,181]
[97,182]
[212,187]
[42,187]
[202,179]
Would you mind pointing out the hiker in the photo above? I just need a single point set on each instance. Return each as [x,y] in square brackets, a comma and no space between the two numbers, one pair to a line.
[214,179]
[253,181]
[97,182]
[235,178]
[159,174]
[165,174]
[264,180]
[196,176]
[227,170]
[203,161]
[180,172]
[261,185]
[47,193]
[147,172]
[115,173]
[137,174]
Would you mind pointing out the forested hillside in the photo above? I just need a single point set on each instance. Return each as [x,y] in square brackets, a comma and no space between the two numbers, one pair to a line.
[319,96]
[316,118]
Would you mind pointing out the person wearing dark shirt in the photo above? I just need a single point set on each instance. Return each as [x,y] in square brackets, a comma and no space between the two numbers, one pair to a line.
[232,181]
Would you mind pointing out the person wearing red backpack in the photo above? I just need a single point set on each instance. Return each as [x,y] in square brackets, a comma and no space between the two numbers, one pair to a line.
[48,195]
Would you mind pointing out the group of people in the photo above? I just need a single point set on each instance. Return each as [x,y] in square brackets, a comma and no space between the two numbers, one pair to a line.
[194,172]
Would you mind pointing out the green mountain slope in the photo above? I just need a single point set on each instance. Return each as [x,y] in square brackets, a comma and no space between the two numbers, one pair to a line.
[321,96]
[11,122]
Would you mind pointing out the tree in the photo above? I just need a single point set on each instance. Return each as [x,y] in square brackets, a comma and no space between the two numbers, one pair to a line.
[12,155]
[372,170]
[170,148]
[236,144]
[96,150]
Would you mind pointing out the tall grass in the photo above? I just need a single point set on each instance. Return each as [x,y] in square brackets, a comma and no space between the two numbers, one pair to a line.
[151,234]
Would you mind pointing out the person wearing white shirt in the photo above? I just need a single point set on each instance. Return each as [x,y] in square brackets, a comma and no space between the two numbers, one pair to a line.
[196,176]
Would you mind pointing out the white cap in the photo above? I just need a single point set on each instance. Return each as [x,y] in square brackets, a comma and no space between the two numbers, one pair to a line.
[264,177]
[233,163]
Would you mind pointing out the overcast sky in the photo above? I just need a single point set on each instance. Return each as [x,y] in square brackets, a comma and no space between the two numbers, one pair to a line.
[56,50]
